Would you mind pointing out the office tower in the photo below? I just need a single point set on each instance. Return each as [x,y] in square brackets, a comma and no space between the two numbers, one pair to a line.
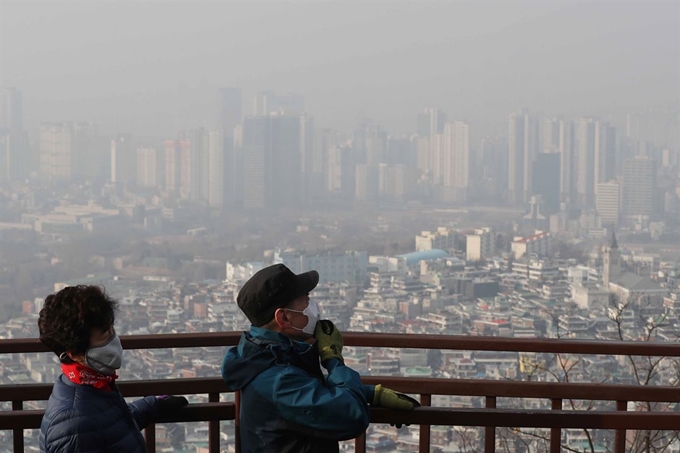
[199,165]
[546,181]
[147,167]
[522,146]
[596,157]
[217,169]
[567,161]
[11,110]
[231,110]
[277,149]
[639,187]
[608,202]
[267,102]
[456,168]
[430,124]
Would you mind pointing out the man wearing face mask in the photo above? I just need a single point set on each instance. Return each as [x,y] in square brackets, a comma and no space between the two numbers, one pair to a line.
[86,412]
[287,404]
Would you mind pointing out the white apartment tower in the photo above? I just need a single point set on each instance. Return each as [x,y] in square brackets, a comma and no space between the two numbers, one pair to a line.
[522,148]
[456,161]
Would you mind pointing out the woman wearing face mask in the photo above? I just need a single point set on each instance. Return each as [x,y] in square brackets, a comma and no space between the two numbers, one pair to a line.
[287,404]
[86,412]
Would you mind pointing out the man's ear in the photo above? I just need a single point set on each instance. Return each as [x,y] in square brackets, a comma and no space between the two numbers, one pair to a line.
[281,318]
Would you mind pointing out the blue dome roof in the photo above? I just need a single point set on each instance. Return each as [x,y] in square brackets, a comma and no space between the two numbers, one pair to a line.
[425,255]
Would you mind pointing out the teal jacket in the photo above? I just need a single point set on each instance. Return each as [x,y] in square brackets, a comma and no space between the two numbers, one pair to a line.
[287,404]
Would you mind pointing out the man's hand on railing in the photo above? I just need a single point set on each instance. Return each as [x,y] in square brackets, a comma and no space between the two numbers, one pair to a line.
[388,398]
[170,403]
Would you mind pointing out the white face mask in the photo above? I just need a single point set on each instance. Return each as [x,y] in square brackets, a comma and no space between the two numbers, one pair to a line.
[313,315]
[106,358]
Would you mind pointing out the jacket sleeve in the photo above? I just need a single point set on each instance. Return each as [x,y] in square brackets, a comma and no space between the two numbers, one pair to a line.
[144,411]
[338,409]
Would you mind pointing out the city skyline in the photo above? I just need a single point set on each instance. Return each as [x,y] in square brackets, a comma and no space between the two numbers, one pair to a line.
[553,57]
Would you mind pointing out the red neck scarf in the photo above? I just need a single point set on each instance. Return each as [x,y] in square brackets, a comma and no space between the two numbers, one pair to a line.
[83,375]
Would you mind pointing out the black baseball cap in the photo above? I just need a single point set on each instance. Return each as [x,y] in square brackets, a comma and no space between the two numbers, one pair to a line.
[271,288]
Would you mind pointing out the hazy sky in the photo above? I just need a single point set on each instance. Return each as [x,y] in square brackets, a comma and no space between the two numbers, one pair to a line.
[131,64]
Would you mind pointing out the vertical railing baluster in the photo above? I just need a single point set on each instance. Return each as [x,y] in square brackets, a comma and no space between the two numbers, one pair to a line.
[150,437]
[214,427]
[237,421]
[620,435]
[556,433]
[490,431]
[360,443]
[424,442]
[18,434]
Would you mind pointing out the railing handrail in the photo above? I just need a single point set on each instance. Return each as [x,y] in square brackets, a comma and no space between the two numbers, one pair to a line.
[434,386]
[411,341]
[512,418]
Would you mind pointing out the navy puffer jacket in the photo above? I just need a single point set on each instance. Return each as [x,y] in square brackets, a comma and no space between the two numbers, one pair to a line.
[83,419]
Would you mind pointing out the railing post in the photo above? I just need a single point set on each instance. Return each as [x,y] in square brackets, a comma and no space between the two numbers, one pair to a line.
[214,427]
[150,437]
[18,434]
[424,442]
[556,433]
[620,435]
[490,431]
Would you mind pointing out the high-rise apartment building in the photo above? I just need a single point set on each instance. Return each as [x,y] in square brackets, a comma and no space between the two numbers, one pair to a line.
[66,150]
[217,169]
[199,165]
[546,180]
[11,110]
[639,194]
[173,165]
[522,147]
[123,160]
[231,110]
[567,161]
[430,141]
[595,157]
[277,154]
[147,167]
[456,161]
[608,202]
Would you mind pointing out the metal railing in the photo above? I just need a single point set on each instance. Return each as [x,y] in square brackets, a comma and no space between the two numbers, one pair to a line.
[489,417]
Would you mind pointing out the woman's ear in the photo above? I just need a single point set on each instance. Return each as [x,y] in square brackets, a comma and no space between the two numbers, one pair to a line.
[75,358]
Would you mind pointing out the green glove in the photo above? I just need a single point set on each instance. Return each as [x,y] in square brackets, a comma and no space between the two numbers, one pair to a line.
[329,341]
[384,397]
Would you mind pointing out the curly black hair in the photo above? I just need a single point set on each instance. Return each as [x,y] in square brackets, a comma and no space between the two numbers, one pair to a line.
[68,317]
